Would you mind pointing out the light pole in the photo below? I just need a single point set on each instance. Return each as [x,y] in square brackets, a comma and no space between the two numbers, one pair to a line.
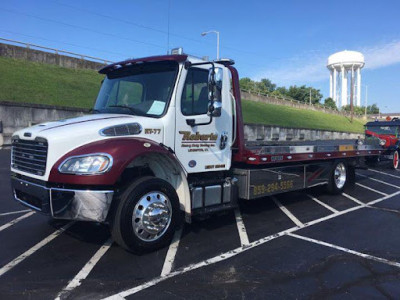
[217,33]
[366,100]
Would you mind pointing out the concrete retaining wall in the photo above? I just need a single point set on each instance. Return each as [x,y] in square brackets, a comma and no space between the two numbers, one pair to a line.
[15,116]
[47,57]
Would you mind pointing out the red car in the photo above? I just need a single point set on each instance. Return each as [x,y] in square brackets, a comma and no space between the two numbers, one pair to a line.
[388,133]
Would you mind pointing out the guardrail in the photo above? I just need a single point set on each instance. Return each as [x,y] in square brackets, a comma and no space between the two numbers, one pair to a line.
[58,51]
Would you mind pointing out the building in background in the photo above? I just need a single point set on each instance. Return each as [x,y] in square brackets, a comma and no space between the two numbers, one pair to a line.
[345,77]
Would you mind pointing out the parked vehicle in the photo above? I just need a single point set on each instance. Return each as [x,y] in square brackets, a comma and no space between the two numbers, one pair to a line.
[388,133]
[165,143]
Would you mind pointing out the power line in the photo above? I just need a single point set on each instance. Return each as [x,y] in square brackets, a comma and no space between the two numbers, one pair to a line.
[82,28]
[152,28]
[70,44]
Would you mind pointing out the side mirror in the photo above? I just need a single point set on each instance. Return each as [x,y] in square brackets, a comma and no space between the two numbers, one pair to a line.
[215,76]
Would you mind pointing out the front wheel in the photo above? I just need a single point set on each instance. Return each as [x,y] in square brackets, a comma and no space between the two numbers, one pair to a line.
[395,161]
[338,177]
[146,216]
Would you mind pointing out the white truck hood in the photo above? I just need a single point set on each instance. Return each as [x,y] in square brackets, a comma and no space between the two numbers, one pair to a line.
[65,135]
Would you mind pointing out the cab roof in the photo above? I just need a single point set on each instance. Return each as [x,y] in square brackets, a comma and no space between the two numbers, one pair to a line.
[176,57]
[128,62]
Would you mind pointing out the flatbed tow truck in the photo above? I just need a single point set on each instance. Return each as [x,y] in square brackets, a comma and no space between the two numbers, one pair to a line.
[165,143]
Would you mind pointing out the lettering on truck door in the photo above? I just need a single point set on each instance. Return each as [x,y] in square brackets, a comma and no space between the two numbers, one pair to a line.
[199,148]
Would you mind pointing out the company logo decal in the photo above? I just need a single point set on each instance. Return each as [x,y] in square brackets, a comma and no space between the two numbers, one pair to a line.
[188,136]
[198,142]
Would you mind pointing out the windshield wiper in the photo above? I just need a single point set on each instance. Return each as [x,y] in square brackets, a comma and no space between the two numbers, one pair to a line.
[125,106]
[93,110]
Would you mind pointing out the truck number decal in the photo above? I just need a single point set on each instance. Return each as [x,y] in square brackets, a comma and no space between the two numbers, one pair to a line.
[152,130]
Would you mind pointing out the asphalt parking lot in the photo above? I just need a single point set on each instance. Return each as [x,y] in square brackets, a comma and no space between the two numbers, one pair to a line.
[297,245]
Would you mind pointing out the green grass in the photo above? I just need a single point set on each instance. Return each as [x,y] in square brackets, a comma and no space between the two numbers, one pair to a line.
[31,82]
[271,114]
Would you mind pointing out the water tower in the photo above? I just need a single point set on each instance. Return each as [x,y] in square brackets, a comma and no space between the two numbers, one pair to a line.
[345,68]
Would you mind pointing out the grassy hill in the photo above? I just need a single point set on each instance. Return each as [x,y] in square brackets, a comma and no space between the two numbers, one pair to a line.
[31,82]
[26,81]
[271,114]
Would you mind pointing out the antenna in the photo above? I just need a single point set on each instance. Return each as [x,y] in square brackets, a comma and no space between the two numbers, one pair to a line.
[169,7]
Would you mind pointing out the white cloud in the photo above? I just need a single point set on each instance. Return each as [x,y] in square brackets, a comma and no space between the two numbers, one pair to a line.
[313,68]
[382,55]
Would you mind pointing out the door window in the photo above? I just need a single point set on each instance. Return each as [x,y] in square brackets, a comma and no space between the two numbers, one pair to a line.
[195,93]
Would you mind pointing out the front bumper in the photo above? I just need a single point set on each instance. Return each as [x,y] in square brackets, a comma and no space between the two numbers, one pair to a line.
[69,204]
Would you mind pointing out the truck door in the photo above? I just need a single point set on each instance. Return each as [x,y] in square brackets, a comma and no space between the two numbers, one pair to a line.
[207,147]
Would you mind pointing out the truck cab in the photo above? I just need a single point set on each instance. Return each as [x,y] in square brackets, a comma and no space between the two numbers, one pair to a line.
[166,119]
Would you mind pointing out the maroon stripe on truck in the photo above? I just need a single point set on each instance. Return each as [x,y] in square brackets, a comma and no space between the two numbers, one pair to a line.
[123,151]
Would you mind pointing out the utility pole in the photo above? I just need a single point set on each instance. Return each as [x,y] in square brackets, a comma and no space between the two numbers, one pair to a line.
[366,100]
[310,96]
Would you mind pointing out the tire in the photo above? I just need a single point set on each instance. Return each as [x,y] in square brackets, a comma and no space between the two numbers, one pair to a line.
[134,227]
[396,160]
[339,176]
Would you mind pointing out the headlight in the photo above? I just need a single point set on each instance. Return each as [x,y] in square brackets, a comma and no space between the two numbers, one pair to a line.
[90,164]
[382,142]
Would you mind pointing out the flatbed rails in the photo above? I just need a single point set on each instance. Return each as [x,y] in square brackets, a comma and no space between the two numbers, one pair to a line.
[304,151]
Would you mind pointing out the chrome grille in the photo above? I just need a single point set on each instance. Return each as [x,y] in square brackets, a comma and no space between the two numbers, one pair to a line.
[29,156]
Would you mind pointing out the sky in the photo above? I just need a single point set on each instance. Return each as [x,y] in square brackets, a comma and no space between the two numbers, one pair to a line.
[285,41]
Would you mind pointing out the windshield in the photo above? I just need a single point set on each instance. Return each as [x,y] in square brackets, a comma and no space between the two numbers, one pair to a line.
[386,130]
[141,89]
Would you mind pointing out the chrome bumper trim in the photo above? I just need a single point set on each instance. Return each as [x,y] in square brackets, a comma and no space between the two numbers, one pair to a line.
[69,204]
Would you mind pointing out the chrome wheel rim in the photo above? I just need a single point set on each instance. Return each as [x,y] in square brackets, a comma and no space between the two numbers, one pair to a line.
[340,175]
[152,216]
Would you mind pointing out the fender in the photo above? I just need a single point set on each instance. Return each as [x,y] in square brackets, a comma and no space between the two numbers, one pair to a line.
[123,151]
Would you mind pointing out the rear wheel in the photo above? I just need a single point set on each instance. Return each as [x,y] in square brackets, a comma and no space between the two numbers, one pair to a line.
[395,161]
[147,215]
[338,178]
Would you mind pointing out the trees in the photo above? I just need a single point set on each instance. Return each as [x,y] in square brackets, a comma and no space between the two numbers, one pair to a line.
[302,93]
[371,109]
[266,86]
[330,103]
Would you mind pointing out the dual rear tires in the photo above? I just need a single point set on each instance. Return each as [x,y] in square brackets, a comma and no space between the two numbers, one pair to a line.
[146,216]
[340,176]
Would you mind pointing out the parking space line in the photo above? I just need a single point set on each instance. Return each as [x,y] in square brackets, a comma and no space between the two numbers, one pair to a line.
[384,173]
[201,264]
[353,199]
[287,212]
[323,204]
[244,239]
[234,252]
[170,257]
[380,181]
[35,248]
[15,221]
[84,272]
[14,212]
[371,189]
[384,209]
[363,255]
